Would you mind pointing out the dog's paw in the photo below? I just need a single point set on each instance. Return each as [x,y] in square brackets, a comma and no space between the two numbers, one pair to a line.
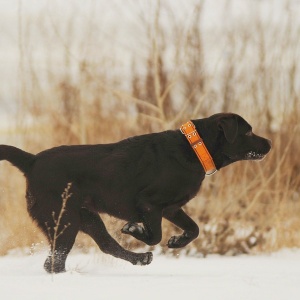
[54,267]
[178,241]
[132,228]
[144,259]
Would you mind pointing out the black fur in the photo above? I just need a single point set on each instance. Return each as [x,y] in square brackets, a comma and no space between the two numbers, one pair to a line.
[141,180]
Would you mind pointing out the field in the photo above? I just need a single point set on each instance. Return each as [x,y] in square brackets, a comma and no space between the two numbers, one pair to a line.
[98,73]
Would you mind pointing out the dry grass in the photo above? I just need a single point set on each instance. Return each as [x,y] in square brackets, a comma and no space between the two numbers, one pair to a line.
[17,228]
[245,208]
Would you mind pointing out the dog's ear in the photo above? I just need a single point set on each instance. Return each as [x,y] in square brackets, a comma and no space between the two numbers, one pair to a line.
[230,127]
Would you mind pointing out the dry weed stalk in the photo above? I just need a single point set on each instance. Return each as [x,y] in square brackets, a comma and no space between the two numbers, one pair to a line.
[66,195]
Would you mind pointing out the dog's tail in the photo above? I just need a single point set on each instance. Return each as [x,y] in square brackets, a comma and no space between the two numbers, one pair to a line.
[17,157]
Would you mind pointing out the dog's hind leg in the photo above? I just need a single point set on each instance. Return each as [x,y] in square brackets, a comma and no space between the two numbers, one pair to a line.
[55,262]
[61,242]
[60,225]
[92,225]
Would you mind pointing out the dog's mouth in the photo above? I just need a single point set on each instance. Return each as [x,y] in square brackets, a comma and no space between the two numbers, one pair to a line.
[252,155]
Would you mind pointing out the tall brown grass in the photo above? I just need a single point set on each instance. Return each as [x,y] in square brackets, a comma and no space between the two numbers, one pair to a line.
[248,207]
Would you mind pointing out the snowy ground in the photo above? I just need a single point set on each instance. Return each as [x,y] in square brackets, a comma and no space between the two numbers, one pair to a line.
[95,276]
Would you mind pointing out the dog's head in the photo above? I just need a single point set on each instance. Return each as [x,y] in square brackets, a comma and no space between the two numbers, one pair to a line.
[229,138]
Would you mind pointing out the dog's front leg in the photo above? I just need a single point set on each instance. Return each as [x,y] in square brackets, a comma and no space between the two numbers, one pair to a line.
[183,221]
[150,233]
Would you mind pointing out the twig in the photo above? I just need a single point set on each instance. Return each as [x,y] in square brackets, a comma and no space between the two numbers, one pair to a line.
[66,195]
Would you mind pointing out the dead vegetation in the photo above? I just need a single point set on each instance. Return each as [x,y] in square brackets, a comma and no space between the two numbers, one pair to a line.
[247,207]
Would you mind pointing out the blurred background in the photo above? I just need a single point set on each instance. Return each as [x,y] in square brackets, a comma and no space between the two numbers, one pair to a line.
[96,71]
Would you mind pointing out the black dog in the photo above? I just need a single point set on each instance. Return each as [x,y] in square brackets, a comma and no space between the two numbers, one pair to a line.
[141,180]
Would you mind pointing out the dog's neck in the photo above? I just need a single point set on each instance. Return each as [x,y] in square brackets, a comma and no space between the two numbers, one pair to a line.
[197,144]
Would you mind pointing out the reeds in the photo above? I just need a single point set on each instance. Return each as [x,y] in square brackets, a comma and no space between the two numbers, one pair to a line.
[179,73]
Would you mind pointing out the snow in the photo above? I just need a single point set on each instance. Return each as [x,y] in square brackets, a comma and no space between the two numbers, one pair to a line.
[97,276]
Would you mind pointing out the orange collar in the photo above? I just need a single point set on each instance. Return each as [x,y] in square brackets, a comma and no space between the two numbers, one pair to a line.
[190,132]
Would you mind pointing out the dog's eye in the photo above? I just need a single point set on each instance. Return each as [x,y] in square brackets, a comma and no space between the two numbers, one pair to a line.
[249,133]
